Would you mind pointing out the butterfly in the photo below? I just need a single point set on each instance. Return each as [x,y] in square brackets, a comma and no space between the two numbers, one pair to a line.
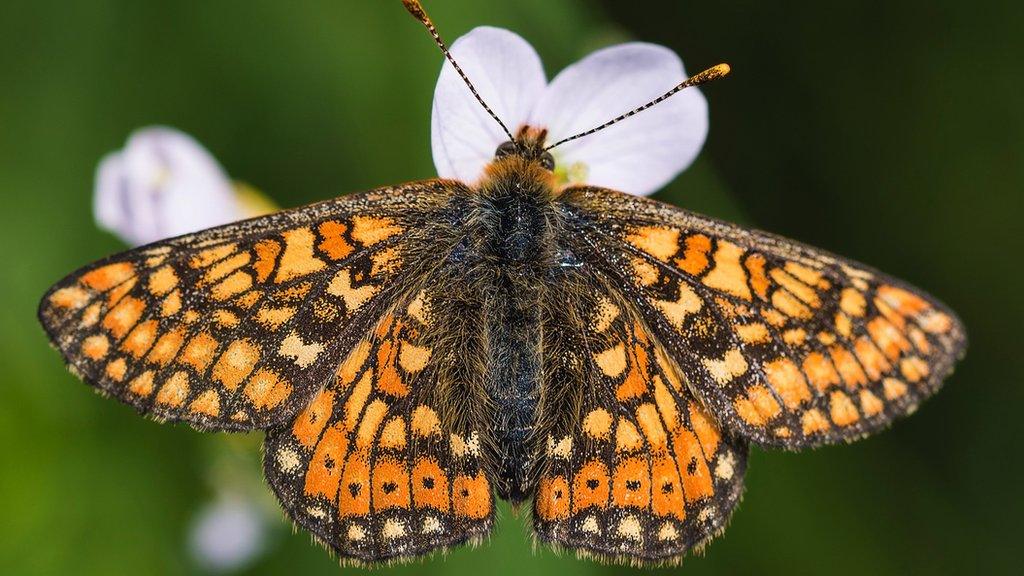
[415,352]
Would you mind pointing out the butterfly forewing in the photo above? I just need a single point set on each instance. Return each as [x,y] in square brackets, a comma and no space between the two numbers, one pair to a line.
[635,468]
[787,345]
[376,467]
[236,327]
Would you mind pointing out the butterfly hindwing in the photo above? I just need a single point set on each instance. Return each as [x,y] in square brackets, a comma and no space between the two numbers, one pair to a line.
[235,327]
[375,468]
[635,468]
[788,345]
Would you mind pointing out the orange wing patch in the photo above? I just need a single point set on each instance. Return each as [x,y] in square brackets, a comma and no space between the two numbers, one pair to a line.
[788,345]
[644,473]
[369,467]
[232,328]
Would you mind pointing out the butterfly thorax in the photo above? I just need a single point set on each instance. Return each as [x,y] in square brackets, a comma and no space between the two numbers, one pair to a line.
[516,211]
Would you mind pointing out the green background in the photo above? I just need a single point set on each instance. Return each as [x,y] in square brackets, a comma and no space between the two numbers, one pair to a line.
[890,132]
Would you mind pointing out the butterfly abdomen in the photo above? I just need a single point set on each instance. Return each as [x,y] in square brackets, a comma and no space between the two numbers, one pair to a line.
[513,385]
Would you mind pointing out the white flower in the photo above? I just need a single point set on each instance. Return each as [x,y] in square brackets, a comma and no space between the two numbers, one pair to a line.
[227,534]
[162,184]
[638,155]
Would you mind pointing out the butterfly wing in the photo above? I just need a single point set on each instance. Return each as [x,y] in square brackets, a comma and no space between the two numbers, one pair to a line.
[385,463]
[787,345]
[236,327]
[635,469]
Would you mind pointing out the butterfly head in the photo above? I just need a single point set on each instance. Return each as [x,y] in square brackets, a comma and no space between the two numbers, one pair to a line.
[528,146]
[523,163]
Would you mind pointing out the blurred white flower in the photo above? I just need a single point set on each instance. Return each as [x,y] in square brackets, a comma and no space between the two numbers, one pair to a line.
[162,184]
[638,156]
[228,534]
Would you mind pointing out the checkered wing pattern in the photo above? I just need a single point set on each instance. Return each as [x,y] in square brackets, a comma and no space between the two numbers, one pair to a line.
[384,464]
[787,345]
[635,468]
[236,327]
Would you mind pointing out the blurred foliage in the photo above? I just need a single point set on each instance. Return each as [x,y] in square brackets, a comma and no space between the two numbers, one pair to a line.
[890,132]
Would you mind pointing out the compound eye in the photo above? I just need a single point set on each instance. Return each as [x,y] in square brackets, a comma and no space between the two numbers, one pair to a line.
[547,161]
[505,149]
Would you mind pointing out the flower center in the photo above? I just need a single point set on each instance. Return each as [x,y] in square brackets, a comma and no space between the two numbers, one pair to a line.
[567,174]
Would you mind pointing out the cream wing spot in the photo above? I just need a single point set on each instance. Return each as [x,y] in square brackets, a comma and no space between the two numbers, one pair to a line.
[842,409]
[686,303]
[356,533]
[419,308]
[728,368]
[668,532]
[393,529]
[266,389]
[462,448]
[893,388]
[590,525]
[116,369]
[211,255]
[370,422]
[650,423]
[91,315]
[605,315]
[304,354]
[288,461]
[852,302]
[630,528]
[234,284]
[431,525]
[803,292]
[354,298]
[726,466]
[755,333]
[72,297]
[561,448]
[142,385]
[171,304]
[224,267]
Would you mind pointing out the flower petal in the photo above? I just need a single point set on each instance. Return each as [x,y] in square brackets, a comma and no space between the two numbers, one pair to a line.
[162,184]
[509,76]
[638,155]
[108,201]
[228,534]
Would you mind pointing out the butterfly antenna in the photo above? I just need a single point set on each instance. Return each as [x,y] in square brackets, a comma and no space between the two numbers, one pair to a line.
[416,9]
[713,73]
